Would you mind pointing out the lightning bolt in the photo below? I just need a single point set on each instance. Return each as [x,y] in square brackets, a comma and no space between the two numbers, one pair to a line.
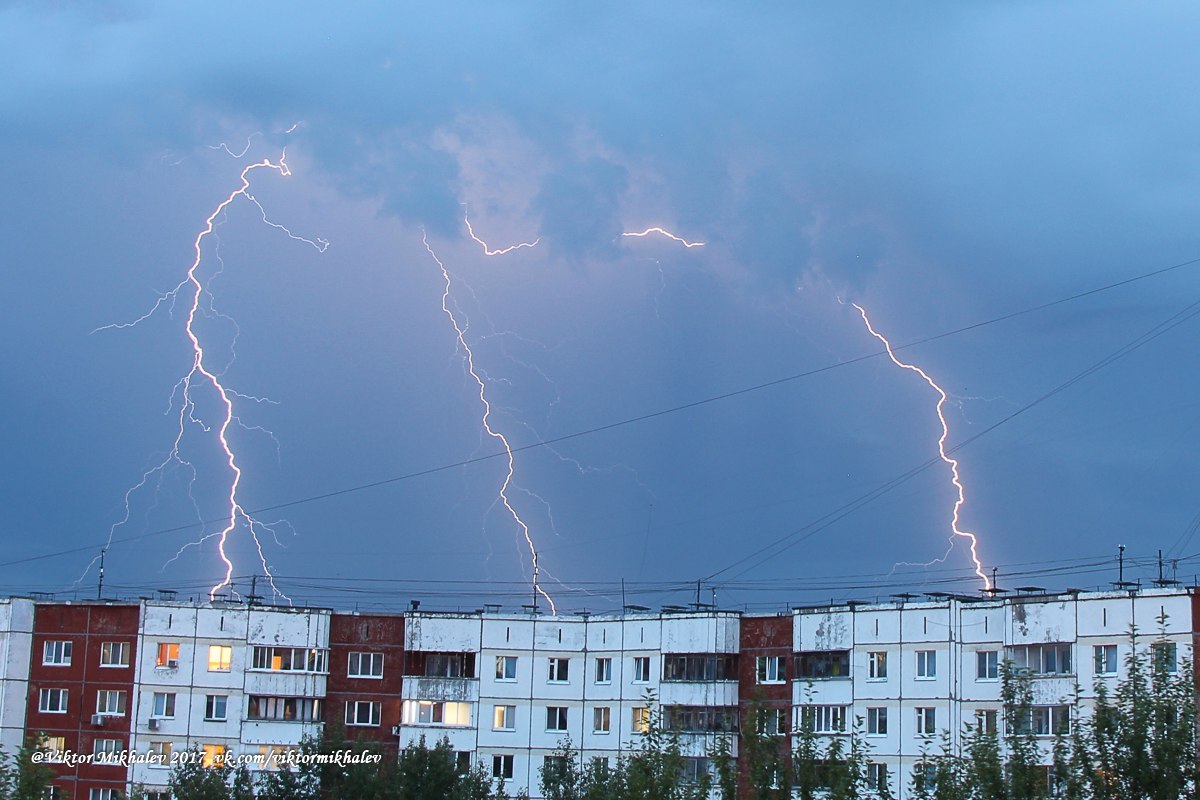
[192,292]
[666,233]
[487,250]
[460,333]
[953,462]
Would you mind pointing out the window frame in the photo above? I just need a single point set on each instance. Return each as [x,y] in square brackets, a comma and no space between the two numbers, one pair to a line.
[162,655]
[122,650]
[601,720]
[353,716]
[877,665]
[356,660]
[168,705]
[877,721]
[121,696]
[503,665]
[211,702]
[44,694]
[558,670]
[61,655]
[558,717]
[926,665]
[603,671]
[504,717]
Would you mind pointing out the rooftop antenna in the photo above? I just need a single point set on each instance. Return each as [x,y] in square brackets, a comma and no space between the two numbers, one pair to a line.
[100,584]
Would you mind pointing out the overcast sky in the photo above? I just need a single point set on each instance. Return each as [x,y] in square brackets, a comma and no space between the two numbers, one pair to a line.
[940,164]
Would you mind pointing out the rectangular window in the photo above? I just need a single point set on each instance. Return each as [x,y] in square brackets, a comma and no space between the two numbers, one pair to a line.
[700,719]
[559,670]
[1043,659]
[601,719]
[54,792]
[877,777]
[55,747]
[111,702]
[1164,657]
[641,719]
[987,665]
[220,657]
[364,665]
[770,669]
[1105,659]
[823,665]
[504,718]
[877,719]
[56,654]
[162,754]
[823,719]
[700,667]
[52,701]
[284,709]
[167,656]
[773,721]
[987,720]
[212,755]
[450,665]
[502,767]
[432,712]
[163,706]
[926,664]
[103,794]
[556,719]
[506,668]
[106,747]
[363,713]
[641,669]
[216,707]
[926,721]
[289,659]
[695,769]
[603,670]
[877,666]
[114,654]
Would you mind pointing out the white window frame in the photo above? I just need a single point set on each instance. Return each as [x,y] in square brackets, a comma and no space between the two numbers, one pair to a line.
[114,654]
[46,706]
[641,669]
[987,665]
[1102,654]
[106,698]
[559,670]
[211,701]
[373,715]
[1166,653]
[640,719]
[220,655]
[604,670]
[987,720]
[877,661]
[57,653]
[824,718]
[162,750]
[506,669]
[163,658]
[877,721]
[502,766]
[557,719]
[504,718]
[167,705]
[926,665]
[106,747]
[602,719]
[770,669]
[364,665]
[926,720]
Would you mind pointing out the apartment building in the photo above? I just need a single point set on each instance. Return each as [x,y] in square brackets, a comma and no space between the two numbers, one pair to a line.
[507,689]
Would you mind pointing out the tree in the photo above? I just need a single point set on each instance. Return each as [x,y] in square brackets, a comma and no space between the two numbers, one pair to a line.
[21,777]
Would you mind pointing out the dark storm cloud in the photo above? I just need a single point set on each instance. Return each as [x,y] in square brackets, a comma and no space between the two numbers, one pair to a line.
[579,206]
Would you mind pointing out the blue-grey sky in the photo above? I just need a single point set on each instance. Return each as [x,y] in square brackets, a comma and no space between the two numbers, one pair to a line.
[940,164]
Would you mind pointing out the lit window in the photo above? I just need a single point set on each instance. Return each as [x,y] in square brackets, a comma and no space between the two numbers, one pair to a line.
[877,719]
[559,670]
[114,654]
[56,654]
[504,718]
[365,665]
[212,755]
[601,719]
[877,665]
[52,701]
[431,712]
[55,747]
[641,669]
[164,705]
[556,719]
[363,713]
[926,663]
[771,669]
[506,668]
[641,719]
[289,659]
[926,720]
[502,767]
[220,657]
[167,656]
[987,665]
[216,707]
[603,670]
[111,702]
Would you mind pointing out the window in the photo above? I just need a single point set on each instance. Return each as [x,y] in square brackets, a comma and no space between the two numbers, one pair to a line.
[700,719]
[106,749]
[506,668]
[770,669]
[559,670]
[363,713]
[162,754]
[556,718]
[167,656]
[289,659]
[1050,720]
[877,777]
[111,702]
[926,720]
[432,712]
[450,665]
[504,718]
[212,755]
[700,667]
[926,664]
[695,769]
[603,670]
[987,665]
[823,719]
[220,657]
[554,769]
[1164,656]
[877,666]
[56,654]
[641,669]
[1106,659]
[877,721]
[1043,659]
[114,654]
[153,795]
[53,792]
[462,761]
[601,719]
[216,707]
[823,665]
[163,706]
[502,767]
[987,720]
[641,719]
[284,709]
[52,701]
[103,794]
[773,721]
[365,665]
[55,747]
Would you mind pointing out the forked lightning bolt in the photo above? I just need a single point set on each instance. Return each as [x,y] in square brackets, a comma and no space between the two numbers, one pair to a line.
[665,233]
[469,356]
[955,477]
[192,291]
[487,250]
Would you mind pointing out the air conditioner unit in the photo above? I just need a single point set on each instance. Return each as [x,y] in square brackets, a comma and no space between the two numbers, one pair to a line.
[395,730]
[97,719]
[153,724]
